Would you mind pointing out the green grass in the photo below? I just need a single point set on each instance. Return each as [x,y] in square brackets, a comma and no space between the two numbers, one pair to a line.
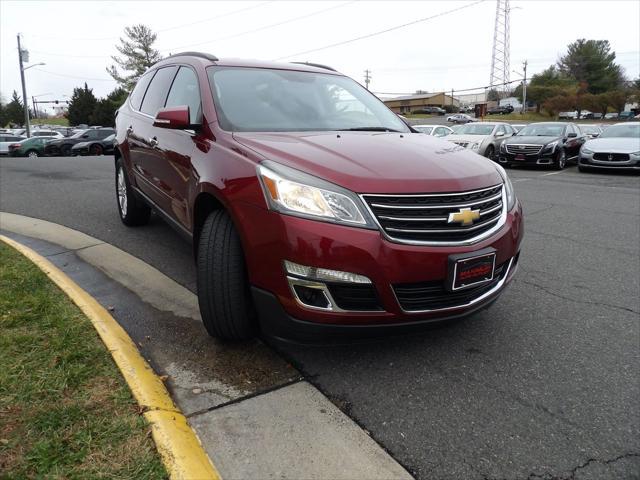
[63,122]
[527,117]
[65,410]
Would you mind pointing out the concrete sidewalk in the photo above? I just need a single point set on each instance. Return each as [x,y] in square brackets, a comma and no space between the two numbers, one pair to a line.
[254,413]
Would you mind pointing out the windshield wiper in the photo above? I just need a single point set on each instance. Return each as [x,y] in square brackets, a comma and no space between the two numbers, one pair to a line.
[368,129]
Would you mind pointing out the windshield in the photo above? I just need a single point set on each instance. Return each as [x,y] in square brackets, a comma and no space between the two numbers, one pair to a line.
[475,129]
[426,130]
[78,135]
[542,130]
[269,100]
[632,131]
[589,129]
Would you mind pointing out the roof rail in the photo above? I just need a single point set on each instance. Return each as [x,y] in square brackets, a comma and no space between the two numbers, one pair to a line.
[317,65]
[206,56]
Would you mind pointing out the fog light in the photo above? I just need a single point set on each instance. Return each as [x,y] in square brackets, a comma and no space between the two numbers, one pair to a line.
[323,274]
[312,297]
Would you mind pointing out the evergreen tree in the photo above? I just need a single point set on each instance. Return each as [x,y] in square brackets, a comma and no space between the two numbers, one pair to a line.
[82,104]
[592,62]
[104,112]
[137,53]
[14,110]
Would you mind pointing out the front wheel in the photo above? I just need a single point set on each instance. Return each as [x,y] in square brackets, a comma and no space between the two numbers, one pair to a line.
[561,160]
[95,149]
[225,300]
[489,152]
[133,212]
[65,150]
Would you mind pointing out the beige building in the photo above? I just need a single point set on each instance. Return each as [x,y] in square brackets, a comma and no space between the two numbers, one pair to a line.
[412,103]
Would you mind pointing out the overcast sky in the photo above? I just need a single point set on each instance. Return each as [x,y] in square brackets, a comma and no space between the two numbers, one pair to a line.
[452,50]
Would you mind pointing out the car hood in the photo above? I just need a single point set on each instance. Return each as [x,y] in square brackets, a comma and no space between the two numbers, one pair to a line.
[467,138]
[368,162]
[533,140]
[614,145]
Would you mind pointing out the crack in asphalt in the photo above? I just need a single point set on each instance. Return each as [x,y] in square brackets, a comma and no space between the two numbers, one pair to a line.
[572,474]
[586,302]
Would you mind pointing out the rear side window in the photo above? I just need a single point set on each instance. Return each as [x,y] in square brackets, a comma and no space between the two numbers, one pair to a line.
[156,94]
[186,91]
[138,92]
[104,133]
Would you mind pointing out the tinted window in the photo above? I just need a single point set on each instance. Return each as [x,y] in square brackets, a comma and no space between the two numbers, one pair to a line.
[92,134]
[138,92]
[104,133]
[157,92]
[186,91]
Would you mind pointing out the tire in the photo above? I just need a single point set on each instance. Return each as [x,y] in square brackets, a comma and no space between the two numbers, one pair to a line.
[65,150]
[32,154]
[561,160]
[490,152]
[96,149]
[583,169]
[224,297]
[133,211]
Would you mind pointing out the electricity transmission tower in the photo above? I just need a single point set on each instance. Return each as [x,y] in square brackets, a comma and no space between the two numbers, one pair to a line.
[500,56]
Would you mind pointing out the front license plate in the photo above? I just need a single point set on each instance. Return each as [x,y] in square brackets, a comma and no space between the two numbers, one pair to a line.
[472,269]
[520,156]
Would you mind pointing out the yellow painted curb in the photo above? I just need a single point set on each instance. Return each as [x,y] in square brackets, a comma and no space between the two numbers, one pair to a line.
[179,446]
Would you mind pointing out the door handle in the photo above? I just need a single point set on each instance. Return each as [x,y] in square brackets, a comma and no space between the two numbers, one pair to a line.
[153,141]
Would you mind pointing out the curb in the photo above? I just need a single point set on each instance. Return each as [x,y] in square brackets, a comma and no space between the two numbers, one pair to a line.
[178,445]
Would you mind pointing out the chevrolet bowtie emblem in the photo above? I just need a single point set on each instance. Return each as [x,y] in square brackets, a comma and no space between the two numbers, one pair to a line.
[464,217]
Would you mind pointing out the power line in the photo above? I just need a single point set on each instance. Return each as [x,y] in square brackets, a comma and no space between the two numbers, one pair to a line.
[73,76]
[259,29]
[381,31]
[443,91]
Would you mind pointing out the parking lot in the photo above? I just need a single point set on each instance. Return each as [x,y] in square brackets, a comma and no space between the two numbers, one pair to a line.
[544,384]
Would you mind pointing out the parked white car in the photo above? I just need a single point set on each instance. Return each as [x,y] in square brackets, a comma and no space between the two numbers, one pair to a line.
[46,133]
[7,139]
[483,138]
[460,118]
[618,147]
[433,130]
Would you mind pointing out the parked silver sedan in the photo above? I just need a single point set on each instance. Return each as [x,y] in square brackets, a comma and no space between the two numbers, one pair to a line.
[618,147]
[483,138]
[433,130]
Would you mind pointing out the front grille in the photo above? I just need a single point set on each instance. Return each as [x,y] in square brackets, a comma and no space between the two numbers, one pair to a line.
[433,295]
[514,149]
[611,157]
[462,144]
[425,218]
[357,297]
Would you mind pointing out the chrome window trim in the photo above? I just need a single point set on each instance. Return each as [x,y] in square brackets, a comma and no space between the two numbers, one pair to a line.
[475,301]
[499,224]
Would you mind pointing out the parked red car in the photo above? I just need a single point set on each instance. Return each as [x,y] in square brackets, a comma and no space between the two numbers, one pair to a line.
[313,209]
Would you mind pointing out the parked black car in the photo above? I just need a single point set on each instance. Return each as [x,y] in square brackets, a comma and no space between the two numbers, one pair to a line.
[63,146]
[431,110]
[94,147]
[500,110]
[548,143]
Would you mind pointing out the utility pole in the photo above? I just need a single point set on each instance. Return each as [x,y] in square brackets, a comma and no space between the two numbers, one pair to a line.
[524,88]
[367,78]
[452,98]
[24,89]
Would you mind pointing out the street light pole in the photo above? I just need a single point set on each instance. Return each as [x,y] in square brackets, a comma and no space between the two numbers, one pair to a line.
[24,91]
[524,89]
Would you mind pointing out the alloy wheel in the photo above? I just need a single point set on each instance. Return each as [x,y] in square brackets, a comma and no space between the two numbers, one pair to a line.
[122,192]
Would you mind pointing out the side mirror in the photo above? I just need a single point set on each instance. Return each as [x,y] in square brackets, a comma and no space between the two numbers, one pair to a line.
[572,135]
[176,118]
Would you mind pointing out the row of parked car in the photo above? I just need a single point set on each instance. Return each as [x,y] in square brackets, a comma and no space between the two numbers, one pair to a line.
[44,142]
[554,144]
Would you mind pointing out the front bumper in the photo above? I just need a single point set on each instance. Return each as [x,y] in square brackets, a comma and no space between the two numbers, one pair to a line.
[536,159]
[363,252]
[587,161]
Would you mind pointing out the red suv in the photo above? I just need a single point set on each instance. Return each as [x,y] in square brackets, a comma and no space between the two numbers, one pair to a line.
[313,209]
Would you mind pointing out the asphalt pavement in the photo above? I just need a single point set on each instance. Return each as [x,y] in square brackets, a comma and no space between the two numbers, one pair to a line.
[544,384]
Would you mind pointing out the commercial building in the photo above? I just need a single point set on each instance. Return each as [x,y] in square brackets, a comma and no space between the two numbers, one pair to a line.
[413,103]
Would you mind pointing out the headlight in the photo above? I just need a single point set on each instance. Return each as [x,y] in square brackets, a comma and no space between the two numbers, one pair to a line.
[636,154]
[474,146]
[503,147]
[508,187]
[293,192]
[550,147]
[586,151]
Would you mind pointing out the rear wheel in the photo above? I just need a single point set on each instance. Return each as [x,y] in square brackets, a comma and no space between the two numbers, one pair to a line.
[95,149]
[225,300]
[133,212]
[32,154]
[561,160]
[65,150]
